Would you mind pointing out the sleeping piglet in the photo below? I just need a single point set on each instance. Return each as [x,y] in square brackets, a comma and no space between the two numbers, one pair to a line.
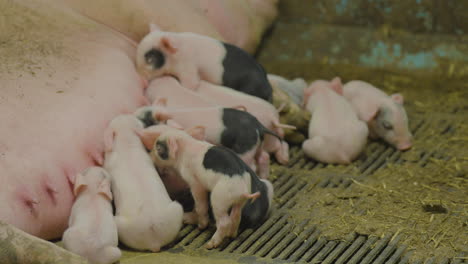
[384,115]
[146,217]
[92,232]
[208,168]
[192,57]
[336,135]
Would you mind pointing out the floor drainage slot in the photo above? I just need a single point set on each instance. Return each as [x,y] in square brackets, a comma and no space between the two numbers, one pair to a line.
[314,249]
[363,250]
[351,249]
[296,243]
[259,232]
[287,240]
[267,236]
[275,240]
[339,249]
[376,250]
[307,243]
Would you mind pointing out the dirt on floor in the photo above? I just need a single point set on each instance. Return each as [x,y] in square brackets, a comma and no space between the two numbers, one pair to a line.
[423,205]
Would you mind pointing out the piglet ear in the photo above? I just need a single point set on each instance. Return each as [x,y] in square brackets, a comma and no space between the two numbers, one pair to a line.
[305,96]
[154,27]
[104,188]
[197,132]
[174,124]
[173,147]
[372,115]
[397,98]
[80,184]
[337,86]
[160,101]
[168,44]
[161,114]
[148,137]
[109,135]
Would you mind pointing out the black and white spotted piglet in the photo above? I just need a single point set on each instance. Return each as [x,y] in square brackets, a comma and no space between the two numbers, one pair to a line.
[232,128]
[208,168]
[192,57]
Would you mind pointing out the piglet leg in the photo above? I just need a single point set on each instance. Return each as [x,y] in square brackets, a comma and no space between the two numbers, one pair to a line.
[235,215]
[263,161]
[20,247]
[200,197]
[223,227]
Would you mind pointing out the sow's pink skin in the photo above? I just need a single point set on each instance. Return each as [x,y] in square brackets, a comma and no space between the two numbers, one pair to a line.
[136,184]
[208,168]
[336,135]
[193,57]
[92,232]
[66,98]
[385,115]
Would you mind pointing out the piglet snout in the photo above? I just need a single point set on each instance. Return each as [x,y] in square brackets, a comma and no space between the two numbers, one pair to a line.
[405,145]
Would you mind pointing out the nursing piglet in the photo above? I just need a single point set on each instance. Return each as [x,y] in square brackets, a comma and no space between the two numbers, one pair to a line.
[208,168]
[336,135]
[146,218]
[384,115]
[192,57]
[232,128]
[92,232]
[263,111]
[178,95]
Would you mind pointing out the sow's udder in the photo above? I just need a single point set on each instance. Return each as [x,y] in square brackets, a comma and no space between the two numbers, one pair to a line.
[59,89]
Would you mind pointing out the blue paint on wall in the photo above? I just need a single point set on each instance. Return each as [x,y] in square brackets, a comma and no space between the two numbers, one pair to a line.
[341,7]
[383,54]
[420,60]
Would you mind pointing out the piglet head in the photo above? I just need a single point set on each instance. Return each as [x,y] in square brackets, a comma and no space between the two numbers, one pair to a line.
[390,123]
[145,115]
[150,134]
[96,180]
[119,124]
[336,85]
[155,53]
[313,88]
[165,149]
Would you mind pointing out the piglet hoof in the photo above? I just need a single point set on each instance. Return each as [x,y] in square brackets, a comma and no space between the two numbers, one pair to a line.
[212,244]
[155,249]
[202,223]
[190,218]
[282,155]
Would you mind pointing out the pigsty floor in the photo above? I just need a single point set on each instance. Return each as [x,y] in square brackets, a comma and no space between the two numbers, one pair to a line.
[388,206]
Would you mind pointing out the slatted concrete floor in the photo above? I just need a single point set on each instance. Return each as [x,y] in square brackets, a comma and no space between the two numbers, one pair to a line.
[280,239]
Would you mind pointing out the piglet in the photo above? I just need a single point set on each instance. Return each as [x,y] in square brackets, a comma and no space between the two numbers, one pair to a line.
[92,232]
[336,135]
[192,57]
[178,95]
[384,115]
[232,128]
[146,218]
[208,168]
[262,110]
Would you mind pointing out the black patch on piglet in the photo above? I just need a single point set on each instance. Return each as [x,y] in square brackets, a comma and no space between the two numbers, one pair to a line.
[155,58]
[243,73]
[162,150]
[254,214]
[225,161]
[147,119]
[242,130]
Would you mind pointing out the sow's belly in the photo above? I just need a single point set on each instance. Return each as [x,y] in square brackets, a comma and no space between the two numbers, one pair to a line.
[60,86]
